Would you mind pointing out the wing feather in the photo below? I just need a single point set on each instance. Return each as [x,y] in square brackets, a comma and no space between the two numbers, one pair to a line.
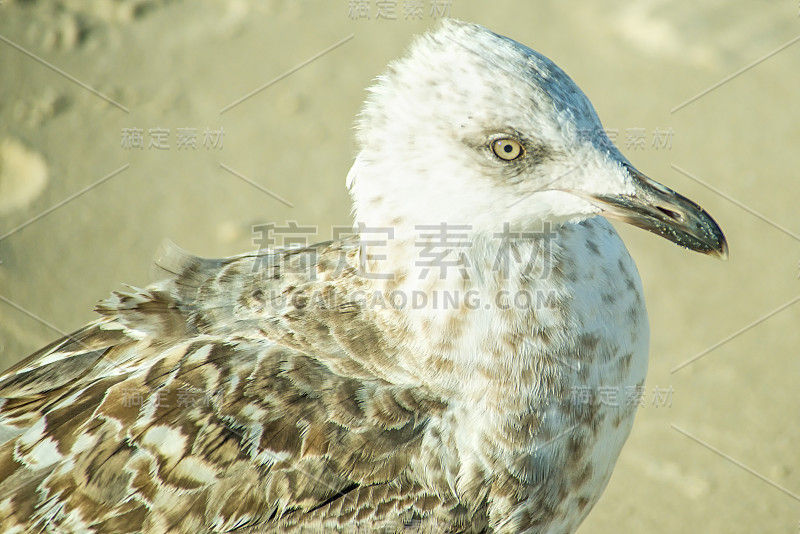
[216,399]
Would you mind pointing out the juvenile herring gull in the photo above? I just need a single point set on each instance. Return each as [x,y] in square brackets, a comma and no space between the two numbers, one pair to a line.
[448,369]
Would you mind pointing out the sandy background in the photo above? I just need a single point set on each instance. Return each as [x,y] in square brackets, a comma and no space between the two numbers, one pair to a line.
[177,64]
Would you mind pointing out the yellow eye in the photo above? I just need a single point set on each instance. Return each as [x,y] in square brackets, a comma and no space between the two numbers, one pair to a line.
[507,149]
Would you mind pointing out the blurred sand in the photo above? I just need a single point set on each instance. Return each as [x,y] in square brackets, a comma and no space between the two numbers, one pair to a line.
[177,64]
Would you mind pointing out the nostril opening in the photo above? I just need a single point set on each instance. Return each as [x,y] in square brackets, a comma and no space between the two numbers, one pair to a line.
[674,215]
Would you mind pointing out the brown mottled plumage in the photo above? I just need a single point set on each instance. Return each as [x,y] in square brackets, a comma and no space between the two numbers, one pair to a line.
[187,408]
[373,385]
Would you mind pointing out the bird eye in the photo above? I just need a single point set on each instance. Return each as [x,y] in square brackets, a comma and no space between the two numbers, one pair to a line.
[507,149]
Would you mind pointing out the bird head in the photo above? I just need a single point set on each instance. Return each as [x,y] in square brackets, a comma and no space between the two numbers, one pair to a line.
[473,127]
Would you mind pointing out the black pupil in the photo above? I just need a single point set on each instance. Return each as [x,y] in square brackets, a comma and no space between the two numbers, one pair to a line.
[508,148]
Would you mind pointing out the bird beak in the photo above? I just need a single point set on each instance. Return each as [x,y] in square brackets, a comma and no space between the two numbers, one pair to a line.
[661,210]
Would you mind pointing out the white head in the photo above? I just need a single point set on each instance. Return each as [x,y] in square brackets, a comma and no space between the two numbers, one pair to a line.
[474,128]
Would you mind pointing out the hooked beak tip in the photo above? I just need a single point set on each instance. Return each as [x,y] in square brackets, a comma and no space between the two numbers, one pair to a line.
[662,211]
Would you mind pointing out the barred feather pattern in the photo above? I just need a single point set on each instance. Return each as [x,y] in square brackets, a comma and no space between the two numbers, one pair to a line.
[178,411]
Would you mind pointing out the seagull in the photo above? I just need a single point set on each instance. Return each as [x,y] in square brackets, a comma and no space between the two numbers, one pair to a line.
[467,361]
